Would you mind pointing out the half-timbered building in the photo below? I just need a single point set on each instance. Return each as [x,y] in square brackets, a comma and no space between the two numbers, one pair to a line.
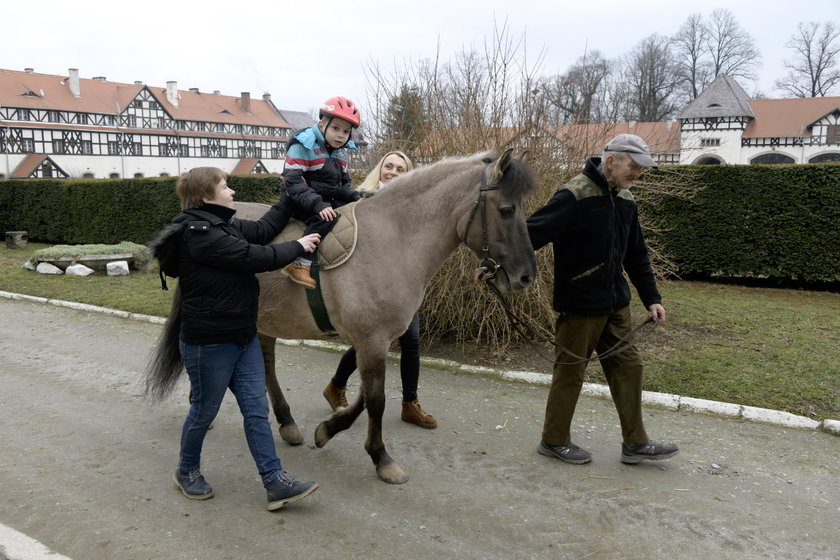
[723,125]
[67,126]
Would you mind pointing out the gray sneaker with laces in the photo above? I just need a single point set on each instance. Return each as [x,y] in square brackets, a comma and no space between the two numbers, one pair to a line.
[192,484]
[285,489]
[650,450]
[569,453]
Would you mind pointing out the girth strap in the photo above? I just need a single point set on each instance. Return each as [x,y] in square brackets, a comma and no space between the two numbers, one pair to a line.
[316,299]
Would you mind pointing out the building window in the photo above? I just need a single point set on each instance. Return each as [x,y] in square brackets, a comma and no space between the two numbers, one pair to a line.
[220,127]
[86,147]
[772,158]
[136,149]
[52,116]
[27,145]
[47,170]
[184,150]
[164,174]
[138,175]
[88,175]
[113,175]
[833,134]
[825,158]
[58,146]
[112,120]
[131,121]
[161,122]
[113,148]
[24,115]
[82,118]
[137,104]
[200,126]
[709,142]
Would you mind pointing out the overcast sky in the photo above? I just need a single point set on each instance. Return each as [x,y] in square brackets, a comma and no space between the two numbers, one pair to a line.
[302,52]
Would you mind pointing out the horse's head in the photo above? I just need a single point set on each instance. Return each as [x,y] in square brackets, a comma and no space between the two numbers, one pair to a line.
[494,228]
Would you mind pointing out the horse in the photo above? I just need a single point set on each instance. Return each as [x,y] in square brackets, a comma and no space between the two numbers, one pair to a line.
[405,233]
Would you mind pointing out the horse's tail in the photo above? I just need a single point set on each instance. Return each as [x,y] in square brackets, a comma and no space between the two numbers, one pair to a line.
[166,365]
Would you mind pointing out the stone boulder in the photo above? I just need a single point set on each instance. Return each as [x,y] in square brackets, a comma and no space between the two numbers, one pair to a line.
[78,270]
[117,268]
[47,268]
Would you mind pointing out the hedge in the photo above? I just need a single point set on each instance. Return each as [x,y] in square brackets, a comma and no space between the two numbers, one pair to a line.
[105,210]
[756,221]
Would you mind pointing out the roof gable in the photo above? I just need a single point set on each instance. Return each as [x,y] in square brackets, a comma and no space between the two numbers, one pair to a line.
[779,118]
[723,98]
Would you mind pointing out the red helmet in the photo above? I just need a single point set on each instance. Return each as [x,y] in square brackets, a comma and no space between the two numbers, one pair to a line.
[342,108]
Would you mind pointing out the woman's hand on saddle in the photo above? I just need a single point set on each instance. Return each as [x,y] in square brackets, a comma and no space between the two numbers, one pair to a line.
[328,214]
[310,242]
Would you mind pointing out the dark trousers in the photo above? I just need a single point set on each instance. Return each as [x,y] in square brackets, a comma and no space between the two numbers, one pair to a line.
[409,362]
[583,334]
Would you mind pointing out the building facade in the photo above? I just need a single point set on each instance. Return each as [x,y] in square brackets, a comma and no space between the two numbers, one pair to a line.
[67,126]
[723,125]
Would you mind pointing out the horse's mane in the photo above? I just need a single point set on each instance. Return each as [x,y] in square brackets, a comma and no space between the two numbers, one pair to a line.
[518,181]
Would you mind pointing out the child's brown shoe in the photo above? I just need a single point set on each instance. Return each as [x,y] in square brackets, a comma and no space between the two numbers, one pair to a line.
[299,274]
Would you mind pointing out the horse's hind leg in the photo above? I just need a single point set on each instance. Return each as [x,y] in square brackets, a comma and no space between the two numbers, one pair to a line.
[373,390]
[288,428]
[340,420]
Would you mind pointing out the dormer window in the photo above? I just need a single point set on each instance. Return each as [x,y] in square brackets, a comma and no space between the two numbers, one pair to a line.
[715,106]
[709,142]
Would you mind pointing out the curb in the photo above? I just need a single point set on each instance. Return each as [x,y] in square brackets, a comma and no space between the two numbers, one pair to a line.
[650,398]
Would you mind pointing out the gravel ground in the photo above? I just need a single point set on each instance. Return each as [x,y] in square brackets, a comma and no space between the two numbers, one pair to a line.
[87,464]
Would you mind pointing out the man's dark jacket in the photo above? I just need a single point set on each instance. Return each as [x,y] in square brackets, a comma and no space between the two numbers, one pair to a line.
[596,236]
[219,256]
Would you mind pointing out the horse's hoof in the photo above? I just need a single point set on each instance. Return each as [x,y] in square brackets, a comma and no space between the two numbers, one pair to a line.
[392,474]
[322,435]
[291,434]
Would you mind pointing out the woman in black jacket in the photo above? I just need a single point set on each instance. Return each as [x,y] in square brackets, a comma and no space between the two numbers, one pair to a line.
[218,258]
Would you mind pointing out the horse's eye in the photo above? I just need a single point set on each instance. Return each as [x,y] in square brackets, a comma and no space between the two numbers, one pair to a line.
[507,211]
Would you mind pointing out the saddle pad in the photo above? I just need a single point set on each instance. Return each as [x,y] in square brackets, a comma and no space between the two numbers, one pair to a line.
[338,244]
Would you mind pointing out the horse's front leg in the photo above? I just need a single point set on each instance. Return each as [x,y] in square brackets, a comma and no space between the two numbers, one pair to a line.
[288,428]
[372,369]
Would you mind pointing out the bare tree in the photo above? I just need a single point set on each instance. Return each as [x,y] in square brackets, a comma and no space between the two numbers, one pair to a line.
[576,94]
[813,71]
[652,77]
[732,50]
[692,56]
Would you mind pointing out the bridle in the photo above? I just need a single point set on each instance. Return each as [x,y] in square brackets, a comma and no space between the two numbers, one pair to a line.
[487,263]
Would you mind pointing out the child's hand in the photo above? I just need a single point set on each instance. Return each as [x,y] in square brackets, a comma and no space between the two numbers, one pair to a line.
[310,242]
[328,214]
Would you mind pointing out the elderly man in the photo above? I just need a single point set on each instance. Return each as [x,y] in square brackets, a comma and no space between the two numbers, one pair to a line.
[593,225]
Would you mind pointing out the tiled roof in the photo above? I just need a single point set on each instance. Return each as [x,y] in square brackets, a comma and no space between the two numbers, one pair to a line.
[245,166]
[27,166]
[723,98]
[661,137]
[46,91]
[788,117]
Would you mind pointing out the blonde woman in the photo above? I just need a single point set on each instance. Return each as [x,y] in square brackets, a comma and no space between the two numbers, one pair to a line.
[392,165]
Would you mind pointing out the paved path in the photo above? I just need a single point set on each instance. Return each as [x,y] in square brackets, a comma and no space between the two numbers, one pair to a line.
[86,466]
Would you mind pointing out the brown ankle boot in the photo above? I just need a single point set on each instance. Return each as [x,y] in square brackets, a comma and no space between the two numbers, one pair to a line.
[336,396]
[414,414]
[299,274]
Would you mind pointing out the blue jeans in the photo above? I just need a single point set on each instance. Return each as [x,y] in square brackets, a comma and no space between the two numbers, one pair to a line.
[213,369]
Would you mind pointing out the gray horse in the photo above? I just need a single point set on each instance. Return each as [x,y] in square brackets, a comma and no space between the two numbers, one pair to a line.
[405,233]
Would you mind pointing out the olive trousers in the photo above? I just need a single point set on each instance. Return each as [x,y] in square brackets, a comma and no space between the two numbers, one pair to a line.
[581,335]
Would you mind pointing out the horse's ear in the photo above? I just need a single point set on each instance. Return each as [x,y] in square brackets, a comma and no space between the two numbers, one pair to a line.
[522,154]
[502,163]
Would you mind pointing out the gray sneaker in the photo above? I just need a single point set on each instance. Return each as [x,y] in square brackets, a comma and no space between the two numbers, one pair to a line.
[285,489]
[192,484]
[569,453]
[632,454]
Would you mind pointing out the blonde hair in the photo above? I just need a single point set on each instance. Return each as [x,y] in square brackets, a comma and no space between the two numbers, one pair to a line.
[371,182]
[197,184]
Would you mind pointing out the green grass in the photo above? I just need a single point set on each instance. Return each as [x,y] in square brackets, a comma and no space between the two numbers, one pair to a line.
[764,347]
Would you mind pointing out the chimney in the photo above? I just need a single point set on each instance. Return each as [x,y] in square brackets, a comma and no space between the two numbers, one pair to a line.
[194,89]
[100,79]
[138,82]
[29,70]
[172,93]
[632,125]
[216,92]
[245,102]
[74,82]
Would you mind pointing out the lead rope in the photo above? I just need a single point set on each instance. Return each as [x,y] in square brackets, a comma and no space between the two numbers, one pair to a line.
[524,328]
